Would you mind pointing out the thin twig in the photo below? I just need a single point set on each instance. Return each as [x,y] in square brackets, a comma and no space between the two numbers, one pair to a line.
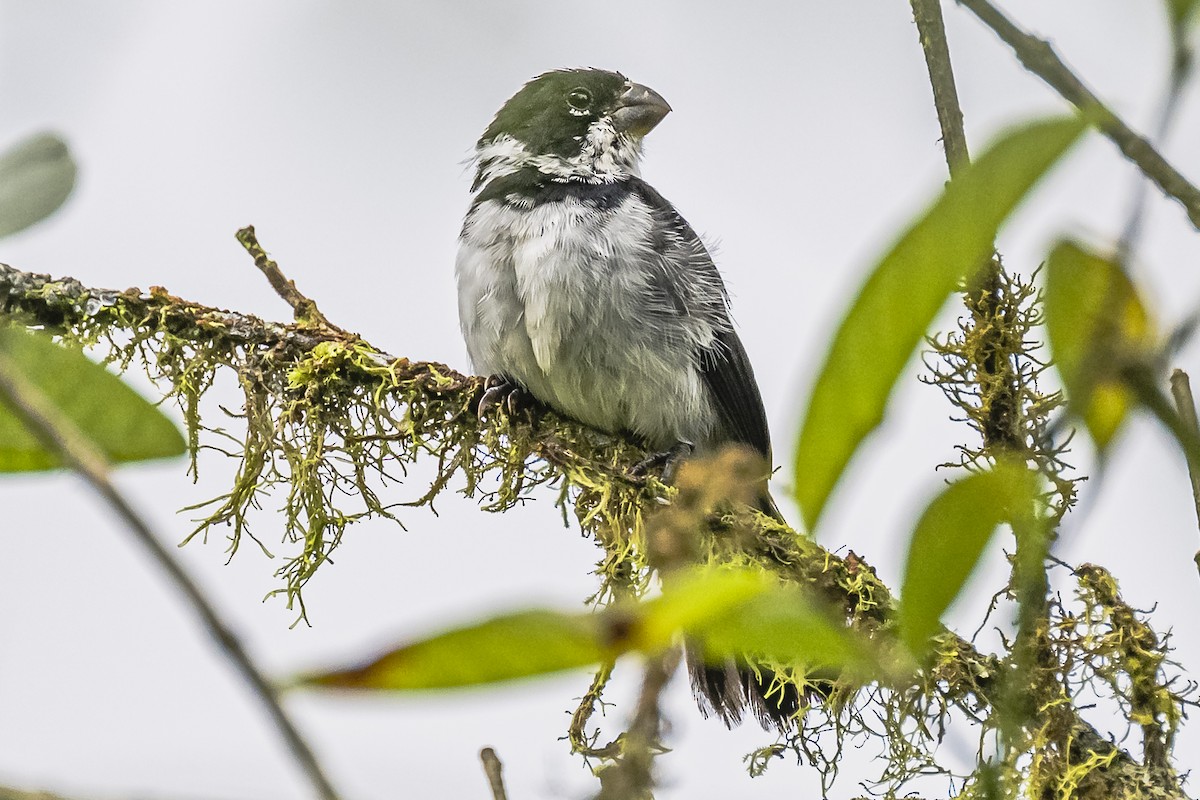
[1039,57]
[1181,64]
[495,773]
[78,454]
[932,30]
[984,292]
[1185,404]
[305,310]
[632,776]
[577,733]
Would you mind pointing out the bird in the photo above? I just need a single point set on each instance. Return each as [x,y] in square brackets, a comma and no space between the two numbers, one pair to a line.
[584,288]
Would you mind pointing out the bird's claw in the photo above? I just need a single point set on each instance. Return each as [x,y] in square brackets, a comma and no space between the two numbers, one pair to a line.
[500,392]
[668,460]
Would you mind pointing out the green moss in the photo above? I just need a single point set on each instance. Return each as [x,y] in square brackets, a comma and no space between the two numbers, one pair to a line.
[329,426]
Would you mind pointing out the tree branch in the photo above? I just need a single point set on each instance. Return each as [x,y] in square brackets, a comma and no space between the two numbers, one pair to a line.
[305,310]
[928,16]
[1185,404]
[434,402]
[1039,57]
[495,773]
[77,453]
[631,777]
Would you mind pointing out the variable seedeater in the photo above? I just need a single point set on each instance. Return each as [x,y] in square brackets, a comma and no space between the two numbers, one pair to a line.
[581,285]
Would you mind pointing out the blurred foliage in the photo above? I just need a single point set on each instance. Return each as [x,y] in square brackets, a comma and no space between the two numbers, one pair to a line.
[730,611]
[113,417]
[950,538]
[1100,332]
[36,176]
[892,312]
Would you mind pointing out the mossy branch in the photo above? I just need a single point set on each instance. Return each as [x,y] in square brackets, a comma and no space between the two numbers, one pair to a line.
[329,418]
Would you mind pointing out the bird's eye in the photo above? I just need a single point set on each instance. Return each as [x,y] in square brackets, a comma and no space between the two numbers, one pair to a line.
[580,100]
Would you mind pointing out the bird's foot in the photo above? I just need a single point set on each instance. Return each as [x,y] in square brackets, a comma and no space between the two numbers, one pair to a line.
[502,392]
[668,461]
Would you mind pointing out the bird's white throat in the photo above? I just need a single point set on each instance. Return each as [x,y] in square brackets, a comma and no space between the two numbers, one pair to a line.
[605,155]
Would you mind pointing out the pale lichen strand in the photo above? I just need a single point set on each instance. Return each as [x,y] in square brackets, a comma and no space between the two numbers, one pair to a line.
[989,369]
[328,421]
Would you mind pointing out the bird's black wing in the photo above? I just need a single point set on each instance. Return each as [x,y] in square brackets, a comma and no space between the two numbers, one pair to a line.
[725,366]
[691,285]
[730,379]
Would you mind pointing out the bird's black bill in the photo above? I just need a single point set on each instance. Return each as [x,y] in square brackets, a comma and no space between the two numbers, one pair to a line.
[639,109]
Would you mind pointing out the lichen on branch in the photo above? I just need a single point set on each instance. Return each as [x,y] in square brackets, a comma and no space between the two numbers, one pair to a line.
[328,421]
[332,424]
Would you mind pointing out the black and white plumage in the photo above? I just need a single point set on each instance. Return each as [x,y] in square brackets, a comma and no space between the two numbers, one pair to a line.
[582,285]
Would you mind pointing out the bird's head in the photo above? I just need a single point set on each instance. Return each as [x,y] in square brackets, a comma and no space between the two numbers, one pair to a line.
[571,124]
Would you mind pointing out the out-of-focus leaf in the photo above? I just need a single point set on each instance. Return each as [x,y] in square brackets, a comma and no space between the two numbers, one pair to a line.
[733,612]
[116,419]
[785,626]
[1097,325]
[949,540]
[1181,13]
[537,642]
[891,313]
[36,177]
[693,601]
[518,645]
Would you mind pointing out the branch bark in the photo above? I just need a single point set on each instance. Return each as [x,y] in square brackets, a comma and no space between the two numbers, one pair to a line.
[1039,57]
[932,30]
[495,773]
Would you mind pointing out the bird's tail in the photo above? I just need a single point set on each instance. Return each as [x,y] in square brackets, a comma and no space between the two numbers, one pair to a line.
[733,688]
[737,686]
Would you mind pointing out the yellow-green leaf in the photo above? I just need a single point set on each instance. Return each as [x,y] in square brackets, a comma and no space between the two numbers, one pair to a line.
[740,612]
[1180,13]
[785,626]
[693,601]
[892,312]
[949,540]
[36,177]
[116,419]
[1098,326]
[734,612]
[518,645]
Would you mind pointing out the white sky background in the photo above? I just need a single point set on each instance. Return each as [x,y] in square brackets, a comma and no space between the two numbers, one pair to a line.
[803,137]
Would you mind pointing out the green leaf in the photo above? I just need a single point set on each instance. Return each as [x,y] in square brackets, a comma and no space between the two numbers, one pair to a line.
[519,645]
[785,626]
[736,612]
[892,312]
[949,540]
[1180,13]
[36,177]
[1098,327]
[695,600]
[733,611]
[117,420]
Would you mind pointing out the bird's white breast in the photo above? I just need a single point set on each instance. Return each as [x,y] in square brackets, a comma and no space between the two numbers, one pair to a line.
[559,296]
